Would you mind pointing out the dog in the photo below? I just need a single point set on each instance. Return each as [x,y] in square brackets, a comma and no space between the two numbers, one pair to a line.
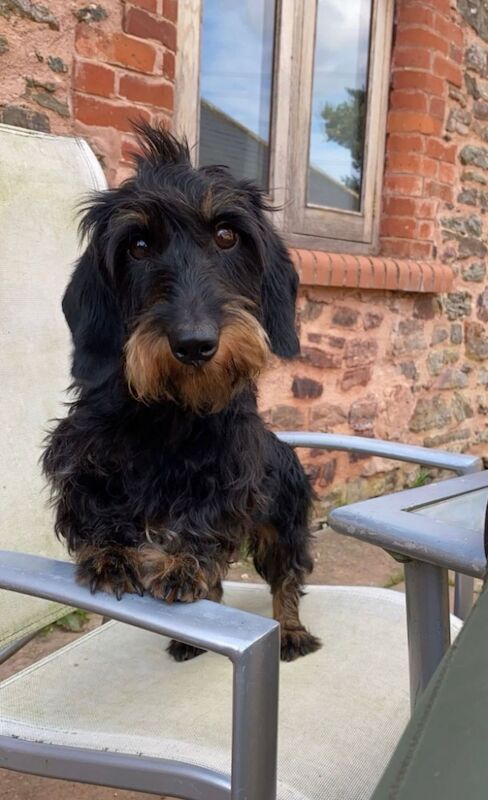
[163,468]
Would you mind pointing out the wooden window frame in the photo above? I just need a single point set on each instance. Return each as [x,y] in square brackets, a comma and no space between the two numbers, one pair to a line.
[303,226]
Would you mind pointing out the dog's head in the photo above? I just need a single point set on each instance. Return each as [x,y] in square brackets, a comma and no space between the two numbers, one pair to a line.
[184,284]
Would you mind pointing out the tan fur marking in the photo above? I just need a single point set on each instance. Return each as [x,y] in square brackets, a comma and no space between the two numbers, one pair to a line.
[206,205]
[285,605]
[178,576]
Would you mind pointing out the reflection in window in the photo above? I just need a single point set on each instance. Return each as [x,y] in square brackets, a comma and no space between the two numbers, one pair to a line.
[337,126]
[235,86]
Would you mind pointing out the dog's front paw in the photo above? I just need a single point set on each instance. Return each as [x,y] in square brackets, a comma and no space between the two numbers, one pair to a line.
[298,642]
[183,652]
[172,577]
[112,569]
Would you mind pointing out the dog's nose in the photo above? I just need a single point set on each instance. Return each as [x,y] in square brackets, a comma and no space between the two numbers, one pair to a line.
[194,347]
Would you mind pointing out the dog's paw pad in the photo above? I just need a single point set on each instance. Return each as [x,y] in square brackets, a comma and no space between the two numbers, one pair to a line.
[183,652]
[296,643]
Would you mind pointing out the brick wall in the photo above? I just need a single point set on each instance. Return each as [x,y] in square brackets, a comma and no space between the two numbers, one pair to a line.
[426,70]
[88,69]
[409,364]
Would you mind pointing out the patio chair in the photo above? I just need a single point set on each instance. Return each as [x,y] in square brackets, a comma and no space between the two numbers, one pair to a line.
[112,708]
[442,753]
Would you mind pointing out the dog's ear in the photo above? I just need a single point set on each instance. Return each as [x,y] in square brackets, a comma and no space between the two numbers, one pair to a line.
[279,292]
[94,320]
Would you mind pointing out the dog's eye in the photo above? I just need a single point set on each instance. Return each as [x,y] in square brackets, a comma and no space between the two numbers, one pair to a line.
[139,248]
[225,237]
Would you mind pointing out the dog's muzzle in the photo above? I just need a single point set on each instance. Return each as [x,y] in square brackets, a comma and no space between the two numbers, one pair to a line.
[200,369]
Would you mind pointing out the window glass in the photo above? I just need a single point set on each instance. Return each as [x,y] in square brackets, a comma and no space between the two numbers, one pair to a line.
[236,80]
[338,114]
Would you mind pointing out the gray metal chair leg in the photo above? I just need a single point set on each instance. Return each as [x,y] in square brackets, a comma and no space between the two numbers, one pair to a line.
[463,595]
[14,647]
[429,635]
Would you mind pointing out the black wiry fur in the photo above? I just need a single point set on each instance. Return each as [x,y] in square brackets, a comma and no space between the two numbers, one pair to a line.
[171,489]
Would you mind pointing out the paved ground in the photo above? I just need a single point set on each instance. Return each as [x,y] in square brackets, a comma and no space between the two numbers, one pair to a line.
[338,560]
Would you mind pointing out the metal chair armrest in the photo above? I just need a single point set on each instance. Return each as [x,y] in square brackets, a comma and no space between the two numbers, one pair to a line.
[457,462]
[250,641]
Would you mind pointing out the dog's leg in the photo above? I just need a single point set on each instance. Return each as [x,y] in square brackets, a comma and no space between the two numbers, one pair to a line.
[280,544]
[180,577]
[283,561]
[110,568]
[184,652]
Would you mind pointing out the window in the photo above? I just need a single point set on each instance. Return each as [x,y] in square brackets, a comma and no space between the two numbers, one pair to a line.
[293,94]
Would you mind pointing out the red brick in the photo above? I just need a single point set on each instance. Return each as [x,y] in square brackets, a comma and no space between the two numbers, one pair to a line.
[450,30]
[132,53]
[116,49]
[405,143]
[410,185]
[399,207]
[152,92]
[445,68]
[94,79]
[305,266]
[401,227]
[447,173]
[429,168]
[407,121]
[107,114]
[419,37]
[415,14]
[139,23]
[399,248]
[456,54]
[149,5]
[412,57]
[128,147]
[406,248]
[409,100]
[404,162]
[441,151]
[444,6]
[427,209]
[440,190]
[170,9]
[426,231]
[416,79]
[420,250]
[169,65]
[437,107]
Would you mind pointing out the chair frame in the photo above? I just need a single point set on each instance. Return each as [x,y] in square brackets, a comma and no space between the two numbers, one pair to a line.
[249,641]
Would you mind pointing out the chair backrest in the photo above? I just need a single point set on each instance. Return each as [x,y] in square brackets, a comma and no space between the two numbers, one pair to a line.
[42,179]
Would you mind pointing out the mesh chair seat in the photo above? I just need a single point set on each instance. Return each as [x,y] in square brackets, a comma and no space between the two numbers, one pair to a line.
[342,709]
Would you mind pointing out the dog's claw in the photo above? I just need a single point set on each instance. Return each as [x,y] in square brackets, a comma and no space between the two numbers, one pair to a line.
[118,591]
[93,585]
[171,595]
[139,589]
